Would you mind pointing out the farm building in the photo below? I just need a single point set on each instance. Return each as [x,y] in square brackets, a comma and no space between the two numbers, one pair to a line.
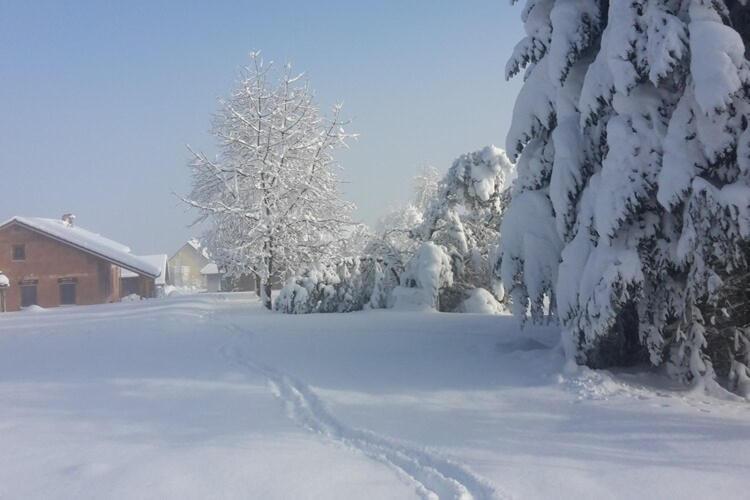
[51,262]
[191,267]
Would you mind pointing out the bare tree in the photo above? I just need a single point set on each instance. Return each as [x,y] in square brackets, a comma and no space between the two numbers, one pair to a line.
[272,194]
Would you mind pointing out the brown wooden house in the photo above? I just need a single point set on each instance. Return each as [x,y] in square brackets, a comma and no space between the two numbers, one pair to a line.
[52,262]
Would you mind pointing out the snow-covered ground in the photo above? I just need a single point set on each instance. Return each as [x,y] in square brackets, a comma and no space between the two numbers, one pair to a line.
[208,396]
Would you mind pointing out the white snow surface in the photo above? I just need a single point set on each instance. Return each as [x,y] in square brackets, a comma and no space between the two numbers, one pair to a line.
[87,240]
[210,396]
[717,52]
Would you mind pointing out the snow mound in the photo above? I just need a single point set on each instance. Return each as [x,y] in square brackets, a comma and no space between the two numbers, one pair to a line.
[480,301]
[411,299]
[34,309]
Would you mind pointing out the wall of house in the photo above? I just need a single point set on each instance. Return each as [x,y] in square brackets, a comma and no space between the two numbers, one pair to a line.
[48,261]
[213,282]
[147,287]
[129,286]
[184,268]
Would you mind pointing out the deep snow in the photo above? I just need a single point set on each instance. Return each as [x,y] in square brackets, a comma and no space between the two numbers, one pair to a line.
[209,396]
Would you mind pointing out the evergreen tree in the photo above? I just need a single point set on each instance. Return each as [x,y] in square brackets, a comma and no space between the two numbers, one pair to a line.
[705,181]
[555,54]
[632,126]
[464,218]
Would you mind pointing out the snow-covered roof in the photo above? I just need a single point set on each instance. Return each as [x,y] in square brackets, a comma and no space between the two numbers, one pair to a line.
[210,268]
[198,246]
[158,260]
[87,241]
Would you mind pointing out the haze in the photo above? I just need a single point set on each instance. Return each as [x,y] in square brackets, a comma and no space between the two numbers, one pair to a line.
[99,99]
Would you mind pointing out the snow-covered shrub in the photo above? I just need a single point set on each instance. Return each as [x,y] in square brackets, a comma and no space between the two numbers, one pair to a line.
[293,298]
[430,273]
[350,285]
[480,301]
[316,290]
[630,126]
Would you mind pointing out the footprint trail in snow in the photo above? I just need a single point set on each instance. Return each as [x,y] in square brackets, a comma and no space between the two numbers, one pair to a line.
[434,477]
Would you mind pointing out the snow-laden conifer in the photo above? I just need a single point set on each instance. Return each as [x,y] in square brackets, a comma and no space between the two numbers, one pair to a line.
[560,36]
[464,218]
[631,127]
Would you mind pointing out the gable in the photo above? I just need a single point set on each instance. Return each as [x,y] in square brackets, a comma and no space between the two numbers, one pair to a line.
[188,255]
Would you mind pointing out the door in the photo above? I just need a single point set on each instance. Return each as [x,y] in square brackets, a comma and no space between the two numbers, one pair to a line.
[67,293]
[28,295]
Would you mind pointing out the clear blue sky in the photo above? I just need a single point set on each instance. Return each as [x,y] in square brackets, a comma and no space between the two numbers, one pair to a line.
[99,98]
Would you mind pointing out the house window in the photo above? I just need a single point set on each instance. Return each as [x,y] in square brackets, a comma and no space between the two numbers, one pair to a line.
[28,294]
[19,252]
[67,291]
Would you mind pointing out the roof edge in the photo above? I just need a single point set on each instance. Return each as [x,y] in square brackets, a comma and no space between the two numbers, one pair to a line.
[14,220]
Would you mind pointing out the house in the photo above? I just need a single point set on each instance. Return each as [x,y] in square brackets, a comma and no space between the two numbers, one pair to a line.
[185,266]
[211,277]
[129,281]
[52,262]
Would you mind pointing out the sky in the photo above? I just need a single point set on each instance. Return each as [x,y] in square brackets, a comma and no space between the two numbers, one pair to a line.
[99,99]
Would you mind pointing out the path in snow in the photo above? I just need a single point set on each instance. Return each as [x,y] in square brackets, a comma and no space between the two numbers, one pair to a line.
[433,476]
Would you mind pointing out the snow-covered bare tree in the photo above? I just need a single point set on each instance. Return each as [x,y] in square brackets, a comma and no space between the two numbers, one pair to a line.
[393,241]
[632,126]
[425,187]
[271,196]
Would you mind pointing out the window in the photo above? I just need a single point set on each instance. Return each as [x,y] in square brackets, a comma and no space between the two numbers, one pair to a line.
[28,294]
[67,291]
[19,252]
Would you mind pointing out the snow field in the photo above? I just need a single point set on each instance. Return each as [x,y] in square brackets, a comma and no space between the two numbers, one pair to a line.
[211,396]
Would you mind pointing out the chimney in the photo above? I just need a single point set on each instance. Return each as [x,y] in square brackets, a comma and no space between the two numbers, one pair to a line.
[68,219]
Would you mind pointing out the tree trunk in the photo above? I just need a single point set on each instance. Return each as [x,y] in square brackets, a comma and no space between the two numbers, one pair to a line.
[269,277]
[266,290]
